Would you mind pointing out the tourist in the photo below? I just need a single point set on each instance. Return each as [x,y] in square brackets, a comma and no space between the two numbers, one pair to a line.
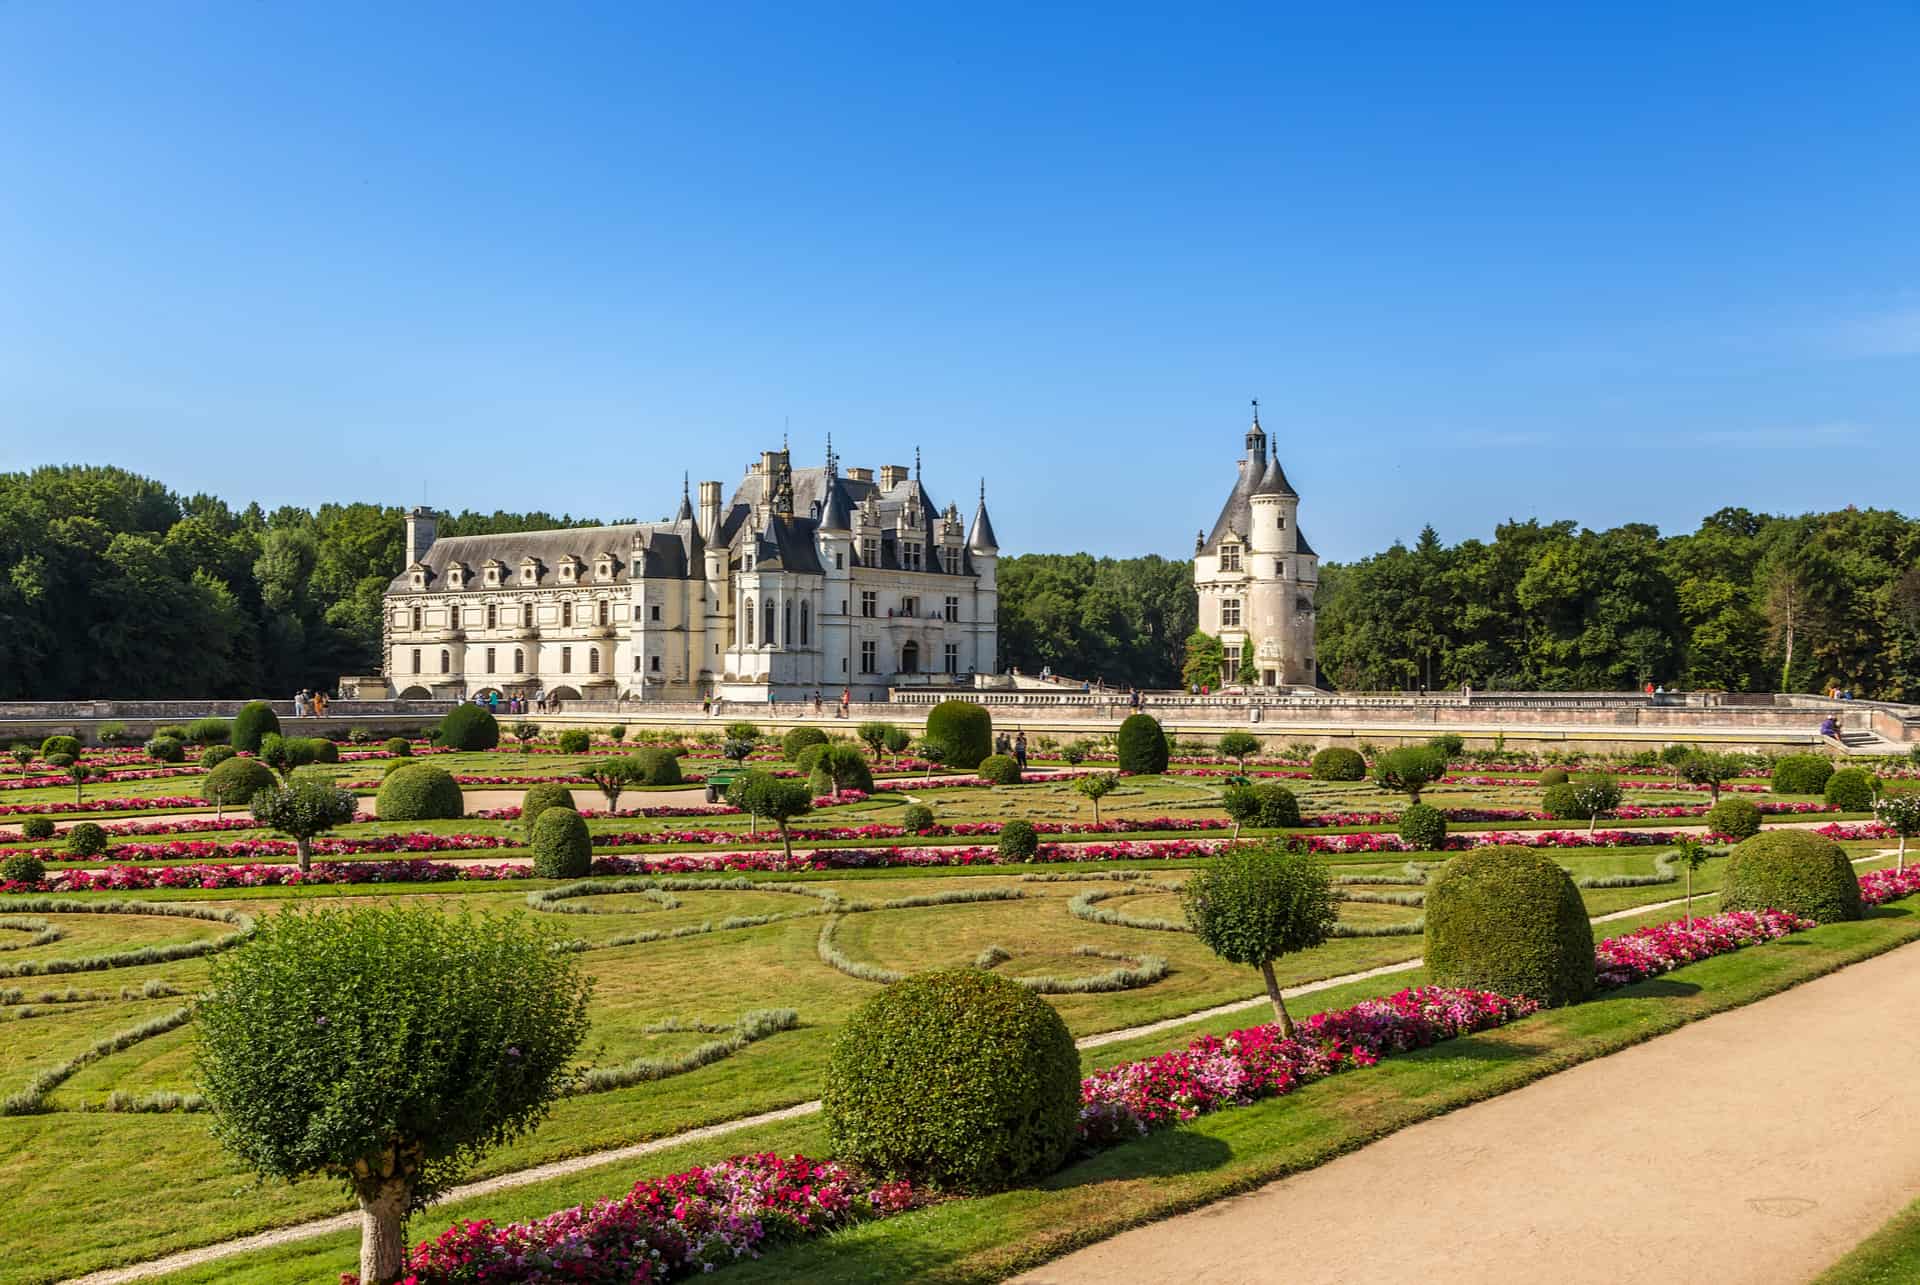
[540,700]
[706,705]
[846,701]
[1001,744]
[319,703]
[1829,727]
[493,702]
[818,707]
[1020,750]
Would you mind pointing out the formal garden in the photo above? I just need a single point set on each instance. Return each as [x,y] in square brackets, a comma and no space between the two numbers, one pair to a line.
[386,968]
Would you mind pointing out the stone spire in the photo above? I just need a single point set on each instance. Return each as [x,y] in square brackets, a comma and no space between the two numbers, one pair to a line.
[981,539]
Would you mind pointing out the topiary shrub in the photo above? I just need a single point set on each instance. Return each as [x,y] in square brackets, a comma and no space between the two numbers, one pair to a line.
[164,749]
[1734,818]
[841,766]
[22,867]
[1018,841]
[1255,904]
[233,784]
[255,720]
[1275,805]
[575,741]
[538,798]
[917,819]
[419,792]
[469,727]
[1675,755]
[1141,745]
[656,766]
[798,739]
[1559,802]
[1409,769]
[214,755]
[398,746]
[1553,776]
[1451,744]
[1801,774]
[209,731]
[956,1078]
[85,840]
[1509,920]
[172,731]
[618,732]
[963,729]
[37,828]
[1852,789]
[809,757]
[1792,870]
[321,750]
[67,745]
[562,848]
[1424,826]
[1337,763]
[112,732]
[999,769]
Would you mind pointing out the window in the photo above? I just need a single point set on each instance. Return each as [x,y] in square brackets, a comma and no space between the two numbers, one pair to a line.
[786,624]
[416,660]
[951,661]
[493,616]
[446,662]
[566,614]
[868,657]
[953,561]
[593,660]
[489,660]
[1229,613]
[746,559]
[843,664]
[1229,662]
[869,603]
[493,577]
[909,606]
[766,622]
[839,560]
[953,607]
[910,555]
[1229,557]
[653,662]
[806,624]
[1283,521]
[526,575]
[603,611]
[416,619]
[636,664]
[566,660]
[526,614]
[870,550]
[747,614]
[519,661]
[653,612]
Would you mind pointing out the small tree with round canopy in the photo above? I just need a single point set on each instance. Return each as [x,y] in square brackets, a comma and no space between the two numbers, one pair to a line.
[612,775]
[874,736]
[1095,786]
[772,799]
[1712,770]
[303,809]
[23,755]
[933,753]
[1900,812]
[78,773]
[1410,769]
[1239,746]
[1242,804]
[1597,796]
[386,1048]
[1256,904]
[233,783]
[526,734]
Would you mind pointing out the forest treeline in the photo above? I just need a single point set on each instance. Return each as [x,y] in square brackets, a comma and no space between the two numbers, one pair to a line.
[111,585]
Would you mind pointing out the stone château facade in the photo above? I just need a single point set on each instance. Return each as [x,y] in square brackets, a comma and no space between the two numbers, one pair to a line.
[806,581]
[1256,576]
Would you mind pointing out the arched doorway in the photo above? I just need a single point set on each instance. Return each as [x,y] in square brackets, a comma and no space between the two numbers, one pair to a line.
[563,694]
[416,694]
[910,658]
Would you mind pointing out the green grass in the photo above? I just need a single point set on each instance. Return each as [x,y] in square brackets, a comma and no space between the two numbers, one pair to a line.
[1891,1256]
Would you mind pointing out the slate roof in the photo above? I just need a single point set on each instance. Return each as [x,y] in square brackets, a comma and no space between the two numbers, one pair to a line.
[667,551]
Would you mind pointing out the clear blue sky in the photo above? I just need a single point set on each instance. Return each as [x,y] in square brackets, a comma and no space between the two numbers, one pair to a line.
[1608,262]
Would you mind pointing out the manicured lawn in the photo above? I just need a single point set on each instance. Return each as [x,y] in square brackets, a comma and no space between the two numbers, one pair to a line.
[1891,1256]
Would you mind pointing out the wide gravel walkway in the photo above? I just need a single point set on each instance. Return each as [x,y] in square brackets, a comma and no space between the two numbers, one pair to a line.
[1752,1148]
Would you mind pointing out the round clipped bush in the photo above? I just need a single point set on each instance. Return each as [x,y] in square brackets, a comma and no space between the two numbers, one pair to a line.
[956,1078]
[798,739]
[1561,802]
[999,769]
[841,766]
[1018,841]
[398,746]
[255,720]
[1509,920]
[963,729]
[1675,755]
[85,840]
[1852,789]
[469,727]
[209,731]
[1801,774]
[538,798]
[1735,818]
[321,750]
[233,784]
[22,867]
[654,765]
[917,818]
[1451,744]
[809,757]
[1424,826]
[164,749]
[562,848]
[214,755]
[1142,745]
[419,792]
[1792,870]
[1553,776]
[1337,763]
[37,828]
[1276,805]
[67,745]
[575,740]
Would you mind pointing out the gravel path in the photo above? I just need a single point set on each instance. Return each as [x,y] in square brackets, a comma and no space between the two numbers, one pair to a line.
[1752,1148]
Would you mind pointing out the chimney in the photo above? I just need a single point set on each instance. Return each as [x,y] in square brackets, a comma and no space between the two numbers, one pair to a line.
[860,475]
[421,523]
[892,475]
[709,509]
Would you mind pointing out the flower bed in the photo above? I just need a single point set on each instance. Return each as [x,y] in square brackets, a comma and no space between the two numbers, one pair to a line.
[159,802]
[47,782]
[1661,948]
[1879,886]
[664,1229]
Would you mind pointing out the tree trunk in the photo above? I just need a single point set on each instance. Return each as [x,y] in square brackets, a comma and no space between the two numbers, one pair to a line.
[1096,809]
[383,1232]
[786,842]
[1714,787]
[304,847]
[1689,895]
[1901,862]
[1279,1005]
[1236,827]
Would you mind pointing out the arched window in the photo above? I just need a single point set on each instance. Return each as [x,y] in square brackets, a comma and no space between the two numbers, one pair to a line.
[748,616]
[603,611]
[416,618]
[493,616]
[446,662]
[593,660]
[766,632]
[566,614]
[786,625]
[806,622]
[519,661]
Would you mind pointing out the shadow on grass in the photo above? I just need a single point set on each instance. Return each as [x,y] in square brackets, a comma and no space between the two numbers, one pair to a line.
[1888,912]
[1166,1154]
[1652,989]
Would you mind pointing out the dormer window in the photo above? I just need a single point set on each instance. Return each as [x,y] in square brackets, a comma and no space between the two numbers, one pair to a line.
[910,555]
[419,579]
[1229,557]
[490,574]
[569,571]
[530,571]
[456,576]
[603,569]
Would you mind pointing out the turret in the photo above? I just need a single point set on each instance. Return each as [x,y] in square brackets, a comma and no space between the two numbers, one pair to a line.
[421,523]
[981,539]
